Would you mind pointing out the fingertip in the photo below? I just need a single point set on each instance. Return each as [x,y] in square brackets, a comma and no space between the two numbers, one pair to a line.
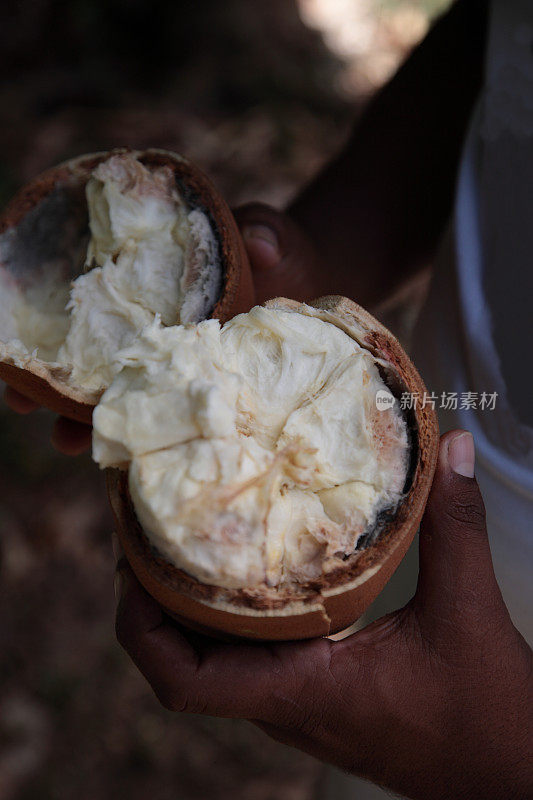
[18,402]
[454,547]
[71,438]
[283,258]
[455,447]
[262,247]
[461,453]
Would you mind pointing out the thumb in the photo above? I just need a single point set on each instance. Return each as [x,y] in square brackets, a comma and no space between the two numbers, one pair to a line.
[456,572]
[282,258]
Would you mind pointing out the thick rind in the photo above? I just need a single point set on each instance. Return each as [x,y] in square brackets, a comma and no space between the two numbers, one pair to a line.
[47,384]
[326,606]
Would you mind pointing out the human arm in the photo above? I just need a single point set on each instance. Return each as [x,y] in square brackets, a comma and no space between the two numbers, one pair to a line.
[433,700]
[375,214]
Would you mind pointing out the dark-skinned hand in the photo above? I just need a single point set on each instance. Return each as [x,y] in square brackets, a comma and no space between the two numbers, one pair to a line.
[432,701]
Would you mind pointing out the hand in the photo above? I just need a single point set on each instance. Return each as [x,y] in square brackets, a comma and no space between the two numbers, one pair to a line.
[69,437]
[283,260]
[433,700]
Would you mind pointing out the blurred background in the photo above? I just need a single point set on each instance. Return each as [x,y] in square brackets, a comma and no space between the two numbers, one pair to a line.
[260,95]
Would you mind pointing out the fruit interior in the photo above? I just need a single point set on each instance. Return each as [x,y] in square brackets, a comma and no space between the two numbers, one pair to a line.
[257,454]
[95,261]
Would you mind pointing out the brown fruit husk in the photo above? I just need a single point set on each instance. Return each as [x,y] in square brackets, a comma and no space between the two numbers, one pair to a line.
[325,606]
[48,385]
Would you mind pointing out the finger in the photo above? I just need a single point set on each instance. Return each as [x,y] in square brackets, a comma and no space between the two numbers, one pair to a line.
[19,402]
[282,258]
[160,652]
[118,551]
[262,242]
[190,672]
[455,561]
[71,438]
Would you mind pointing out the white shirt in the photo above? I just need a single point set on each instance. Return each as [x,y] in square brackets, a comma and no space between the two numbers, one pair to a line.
[475,332]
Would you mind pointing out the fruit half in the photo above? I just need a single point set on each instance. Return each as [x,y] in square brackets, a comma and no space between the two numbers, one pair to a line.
[53,233]
[192,557]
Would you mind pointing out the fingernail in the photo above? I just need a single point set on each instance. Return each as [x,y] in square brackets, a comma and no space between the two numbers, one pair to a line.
[264,235]
[118,586]
[462,454]
[118,552]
